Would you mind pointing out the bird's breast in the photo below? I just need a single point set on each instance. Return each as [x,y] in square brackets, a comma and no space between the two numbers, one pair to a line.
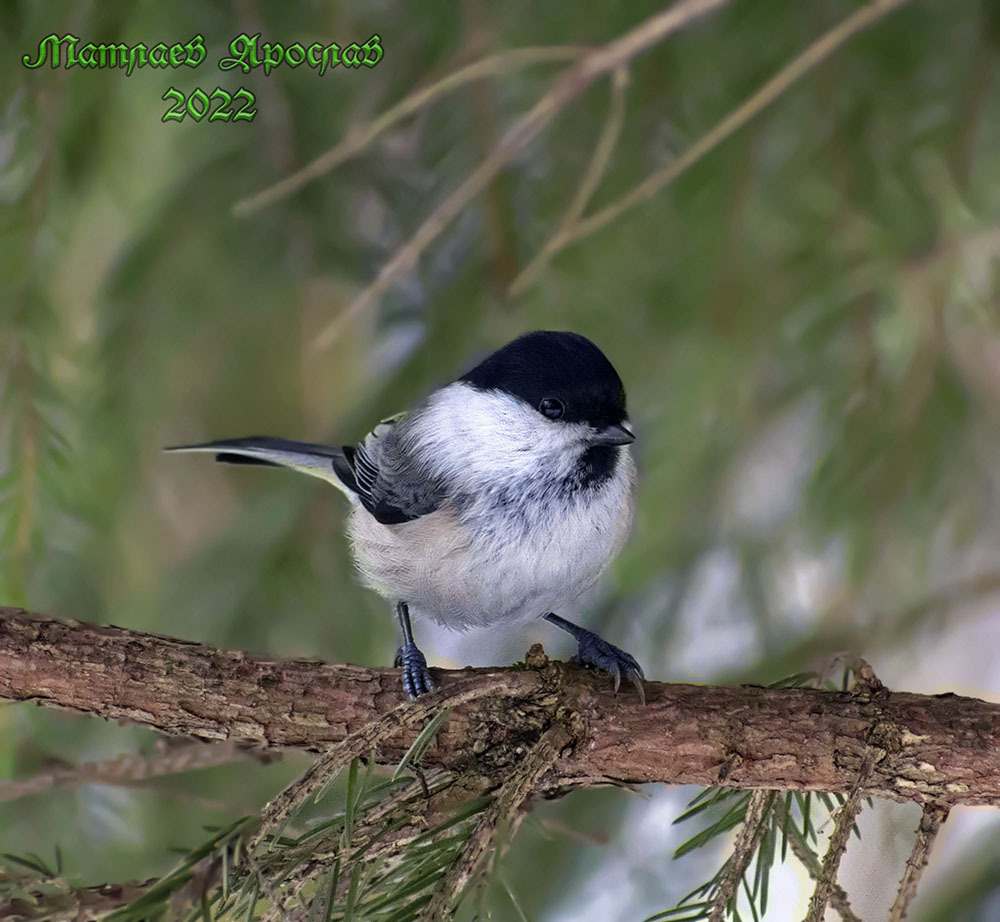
[501,554]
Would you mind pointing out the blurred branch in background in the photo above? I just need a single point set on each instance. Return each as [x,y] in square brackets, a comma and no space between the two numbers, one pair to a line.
[877,631]
[129,770]
[574,226]
[582,227]
[359,137]
[566,87]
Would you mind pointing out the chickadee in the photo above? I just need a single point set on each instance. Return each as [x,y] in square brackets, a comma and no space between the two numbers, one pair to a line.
[502,497]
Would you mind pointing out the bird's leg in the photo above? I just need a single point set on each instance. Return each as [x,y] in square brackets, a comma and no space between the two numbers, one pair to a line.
[593,651]
[416,676]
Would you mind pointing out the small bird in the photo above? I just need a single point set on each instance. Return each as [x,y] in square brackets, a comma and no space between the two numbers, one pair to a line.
[502,497]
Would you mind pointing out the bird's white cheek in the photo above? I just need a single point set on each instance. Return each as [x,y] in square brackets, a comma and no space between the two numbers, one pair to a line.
[473,436]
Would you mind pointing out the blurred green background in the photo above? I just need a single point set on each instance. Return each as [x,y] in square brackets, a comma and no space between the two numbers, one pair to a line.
[806,323]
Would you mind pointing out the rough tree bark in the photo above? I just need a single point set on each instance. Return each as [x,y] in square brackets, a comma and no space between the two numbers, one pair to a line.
[943,749]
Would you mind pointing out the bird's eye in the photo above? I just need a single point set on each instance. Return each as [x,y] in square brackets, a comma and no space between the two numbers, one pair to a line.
[551,407]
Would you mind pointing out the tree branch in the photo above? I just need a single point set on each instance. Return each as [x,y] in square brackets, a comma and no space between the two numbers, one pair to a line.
[744,849]
[368,737]
[838,896]
[846,818]
[514,792]
[943,748]
[64,902]
[930,823]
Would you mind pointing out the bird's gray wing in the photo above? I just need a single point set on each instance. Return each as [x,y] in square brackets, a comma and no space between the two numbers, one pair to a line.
[387,484]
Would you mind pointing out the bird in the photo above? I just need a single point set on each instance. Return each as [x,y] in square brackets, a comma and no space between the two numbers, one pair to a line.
[500,498]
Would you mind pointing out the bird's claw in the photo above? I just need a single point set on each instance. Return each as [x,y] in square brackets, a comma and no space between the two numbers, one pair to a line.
[594,651]
[416,676]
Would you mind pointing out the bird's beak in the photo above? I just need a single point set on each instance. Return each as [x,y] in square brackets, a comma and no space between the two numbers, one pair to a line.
[617,434]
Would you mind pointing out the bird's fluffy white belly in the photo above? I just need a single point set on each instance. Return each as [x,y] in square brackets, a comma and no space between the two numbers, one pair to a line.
[492,567]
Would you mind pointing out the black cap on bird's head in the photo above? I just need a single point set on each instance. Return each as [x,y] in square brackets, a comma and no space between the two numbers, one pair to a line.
[562,375]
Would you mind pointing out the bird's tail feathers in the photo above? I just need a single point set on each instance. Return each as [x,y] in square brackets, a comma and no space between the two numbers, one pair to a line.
[326,462]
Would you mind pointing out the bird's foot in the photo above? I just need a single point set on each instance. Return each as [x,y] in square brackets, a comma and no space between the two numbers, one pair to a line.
[595,651]
[416,676]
